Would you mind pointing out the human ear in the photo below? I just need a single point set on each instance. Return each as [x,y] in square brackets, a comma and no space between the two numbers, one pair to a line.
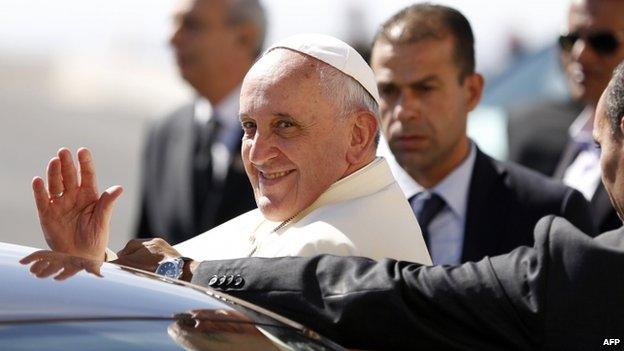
[364,128]
[474,85]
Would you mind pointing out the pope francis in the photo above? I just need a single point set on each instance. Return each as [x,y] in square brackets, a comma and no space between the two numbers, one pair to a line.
[309,112]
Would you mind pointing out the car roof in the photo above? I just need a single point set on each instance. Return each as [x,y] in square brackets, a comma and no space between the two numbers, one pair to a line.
[121,292]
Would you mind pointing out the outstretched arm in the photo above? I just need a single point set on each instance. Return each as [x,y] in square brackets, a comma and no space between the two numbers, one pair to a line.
[74,218]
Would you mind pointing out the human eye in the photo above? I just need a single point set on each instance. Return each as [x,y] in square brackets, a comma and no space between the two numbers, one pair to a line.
[597,145]
[249,127]
[387,90]
[423,88]
[284,124]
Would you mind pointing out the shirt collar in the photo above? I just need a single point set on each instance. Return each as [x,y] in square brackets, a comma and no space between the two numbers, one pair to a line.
[367,180]
[453,188]
[226,111]
[581,129]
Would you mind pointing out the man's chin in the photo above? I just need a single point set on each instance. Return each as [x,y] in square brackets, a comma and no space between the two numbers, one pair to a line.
[273,211]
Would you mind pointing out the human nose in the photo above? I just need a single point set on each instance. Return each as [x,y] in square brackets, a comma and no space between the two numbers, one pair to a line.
[583,53]
[176,35]
[407,106]
[262,149]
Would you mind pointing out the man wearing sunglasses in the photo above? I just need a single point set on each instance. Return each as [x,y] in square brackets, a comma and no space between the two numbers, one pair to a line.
[594,45]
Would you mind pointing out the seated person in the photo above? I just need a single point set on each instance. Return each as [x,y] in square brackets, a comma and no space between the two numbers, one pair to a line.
[309,111]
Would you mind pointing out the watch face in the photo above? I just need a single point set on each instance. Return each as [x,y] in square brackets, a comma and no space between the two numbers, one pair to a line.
[168,269]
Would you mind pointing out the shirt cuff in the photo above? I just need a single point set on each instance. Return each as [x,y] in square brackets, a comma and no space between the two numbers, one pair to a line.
[109,255]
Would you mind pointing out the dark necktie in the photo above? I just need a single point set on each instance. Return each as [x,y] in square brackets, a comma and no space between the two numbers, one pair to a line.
[430,209]
[202,166]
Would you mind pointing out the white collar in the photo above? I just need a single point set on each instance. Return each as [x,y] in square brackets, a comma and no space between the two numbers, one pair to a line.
[581,129]
[366,180]
[453,188]
[226,110]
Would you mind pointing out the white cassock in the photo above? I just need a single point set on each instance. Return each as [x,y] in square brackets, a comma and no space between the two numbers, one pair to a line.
[363,214]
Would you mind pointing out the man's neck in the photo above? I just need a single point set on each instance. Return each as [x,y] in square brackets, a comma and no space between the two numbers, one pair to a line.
[432,176]
[218,88]
[356,167]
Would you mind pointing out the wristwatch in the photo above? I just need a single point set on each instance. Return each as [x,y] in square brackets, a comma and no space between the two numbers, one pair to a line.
[172,268]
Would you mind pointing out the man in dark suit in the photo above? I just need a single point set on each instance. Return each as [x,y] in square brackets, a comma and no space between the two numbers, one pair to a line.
[467,204]
[562,294]
[565,293]
[193,175]
[595,45]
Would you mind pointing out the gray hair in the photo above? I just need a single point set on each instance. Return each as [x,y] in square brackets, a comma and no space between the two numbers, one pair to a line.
[349,95]
[614,99]
[243,11]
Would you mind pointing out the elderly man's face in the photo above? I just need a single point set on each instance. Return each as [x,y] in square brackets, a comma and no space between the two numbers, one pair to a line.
[204,42]
[424,107]
[589,69]
[294,144]
[611,157]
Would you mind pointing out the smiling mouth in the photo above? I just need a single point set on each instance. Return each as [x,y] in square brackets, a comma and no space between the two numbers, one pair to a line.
[275,175]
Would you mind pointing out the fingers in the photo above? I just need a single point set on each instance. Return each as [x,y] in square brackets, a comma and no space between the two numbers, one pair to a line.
[68,272]
[68,170]
[93,267]
[55,180]
[87,170]
[42,199]
[132,246]
[104,207]
[53,267]
[38,266]
[47,263]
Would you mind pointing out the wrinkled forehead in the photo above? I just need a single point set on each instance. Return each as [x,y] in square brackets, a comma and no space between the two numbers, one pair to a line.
[284,68]
[283,76]
[279,63]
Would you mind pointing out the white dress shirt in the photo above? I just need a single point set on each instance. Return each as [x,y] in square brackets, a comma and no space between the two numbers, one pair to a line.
[446,230]
[226,143]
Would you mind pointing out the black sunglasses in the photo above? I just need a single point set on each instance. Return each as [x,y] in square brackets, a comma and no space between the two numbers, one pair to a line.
[603,42]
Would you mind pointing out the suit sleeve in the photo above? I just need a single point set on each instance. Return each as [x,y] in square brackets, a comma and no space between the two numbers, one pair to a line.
[143,227]
[575,209]
[360,303]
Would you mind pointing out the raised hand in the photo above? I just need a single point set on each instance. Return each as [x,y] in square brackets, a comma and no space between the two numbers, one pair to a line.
[75,219]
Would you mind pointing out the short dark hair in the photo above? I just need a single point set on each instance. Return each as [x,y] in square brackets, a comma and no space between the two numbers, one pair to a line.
[424,21]
[614,99]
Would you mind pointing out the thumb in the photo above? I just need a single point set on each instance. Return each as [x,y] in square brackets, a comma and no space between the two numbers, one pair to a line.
[106,203]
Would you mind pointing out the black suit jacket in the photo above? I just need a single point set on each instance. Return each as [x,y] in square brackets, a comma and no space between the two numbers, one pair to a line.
[565,293]
[506,200]
[603,214]
[538,133]
[167,183]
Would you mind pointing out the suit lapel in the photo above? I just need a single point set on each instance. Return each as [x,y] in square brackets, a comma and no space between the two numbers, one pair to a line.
[214,197]
[180,169]
[569,154]
[601,209]
[487,208]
